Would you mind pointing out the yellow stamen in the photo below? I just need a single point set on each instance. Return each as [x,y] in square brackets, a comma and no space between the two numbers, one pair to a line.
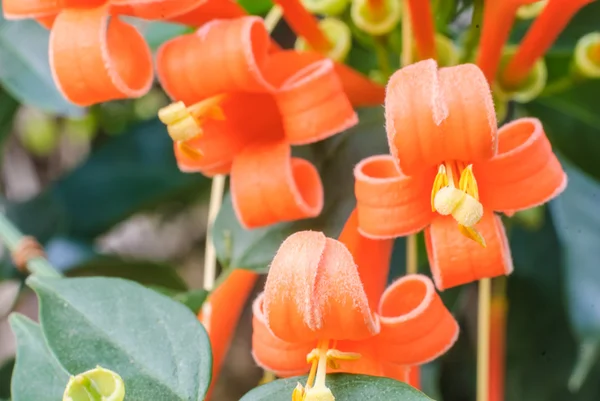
[184,123]
[321,357]
[455,193]
[194,154]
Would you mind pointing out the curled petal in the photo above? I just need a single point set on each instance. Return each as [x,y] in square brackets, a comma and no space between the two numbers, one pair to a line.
[248,117]
[24,9]
[208,10]
[152,9]
[525,173]
[416,327]
[313,291]
[312,102]
[103,61]
[372,258]
[221,57]
[389,203]
[285,359]
[456,259]
[433,116]
[269,186]
[221,312]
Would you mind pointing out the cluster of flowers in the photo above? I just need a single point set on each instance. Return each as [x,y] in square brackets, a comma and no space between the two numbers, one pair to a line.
[241,102]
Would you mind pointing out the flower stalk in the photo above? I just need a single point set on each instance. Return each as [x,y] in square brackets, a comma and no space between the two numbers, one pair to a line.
[483,339]
[304,24]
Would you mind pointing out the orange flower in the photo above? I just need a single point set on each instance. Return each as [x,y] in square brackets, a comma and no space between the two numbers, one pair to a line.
[543,32]
[95,57]
[326,305]
[251,106]
[221,312]
[447,157]
[422,25]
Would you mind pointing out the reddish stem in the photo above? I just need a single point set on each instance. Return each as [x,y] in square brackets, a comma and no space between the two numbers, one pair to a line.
[540,37]
[304,24]
[498,313]
[422,25]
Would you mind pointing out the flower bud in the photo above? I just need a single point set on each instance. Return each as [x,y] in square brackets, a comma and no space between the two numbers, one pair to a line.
[98,384]
[376,22]
[338,34]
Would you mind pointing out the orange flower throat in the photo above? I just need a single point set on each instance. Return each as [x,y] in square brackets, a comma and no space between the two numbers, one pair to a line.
[455,193]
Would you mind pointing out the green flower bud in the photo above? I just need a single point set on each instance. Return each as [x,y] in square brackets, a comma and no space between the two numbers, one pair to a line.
[587,56]
[81,129]
[338,34]
[38,132]
[95,385]
[326,7]
[530,11]
[447,54]
[147,106]
[376,22]
[530,88]
[532,219]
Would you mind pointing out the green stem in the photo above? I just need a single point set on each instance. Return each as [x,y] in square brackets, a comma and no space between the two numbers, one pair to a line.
[474,31]
[382,57]
[11,236]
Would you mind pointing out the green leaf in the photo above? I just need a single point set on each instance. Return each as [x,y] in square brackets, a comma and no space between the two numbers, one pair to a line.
[132,172]
[6,372]
[8,108]
[335,158]
[256,7]
[192,299]
[572,123]
[578,228]
[155,344]
[25,69]
[344,387]
[37,375]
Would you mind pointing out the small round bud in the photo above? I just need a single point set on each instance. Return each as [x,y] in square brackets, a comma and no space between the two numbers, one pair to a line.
[326,7]
[527,90]
[587,56]
[376,22]
[339,36]
[98,384]
[532,10]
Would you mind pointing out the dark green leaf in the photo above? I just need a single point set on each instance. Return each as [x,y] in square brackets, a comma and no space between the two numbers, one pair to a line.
[6,372]
[256,7]
[192,299]
[37,375]
[25,70]
[344,387]
[8,108]
[132,172]
[572,123]
[155,344]
[578,228]
[335,158]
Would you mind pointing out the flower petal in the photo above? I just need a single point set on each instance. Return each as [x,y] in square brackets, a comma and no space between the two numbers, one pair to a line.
[457,260]
[47,21]
[103,61]
[285,359]
[221,312]
[389,203]
[248,117]
[372,258]
[311,99]
[525,173]
[229,54]
[433,116]
[416,327]
[269,186]
[25,9]
[313,291]
[152,9]
[208,10]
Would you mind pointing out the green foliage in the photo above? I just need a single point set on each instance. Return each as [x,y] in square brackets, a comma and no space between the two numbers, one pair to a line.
[344,387]
[155,344]
[335,158]
[25,70]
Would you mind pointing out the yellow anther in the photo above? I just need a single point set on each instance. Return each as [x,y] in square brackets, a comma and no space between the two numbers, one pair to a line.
[441,180]
[465,209]
[468,183]
[473,234]
[188,151]
[298,393]
[312,356]
[184,123]
[342,356]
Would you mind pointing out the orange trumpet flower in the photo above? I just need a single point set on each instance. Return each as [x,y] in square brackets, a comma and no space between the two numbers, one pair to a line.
[95,57]
[449,165]
[318,308]
[422,24]
[544,31]
[248,107]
